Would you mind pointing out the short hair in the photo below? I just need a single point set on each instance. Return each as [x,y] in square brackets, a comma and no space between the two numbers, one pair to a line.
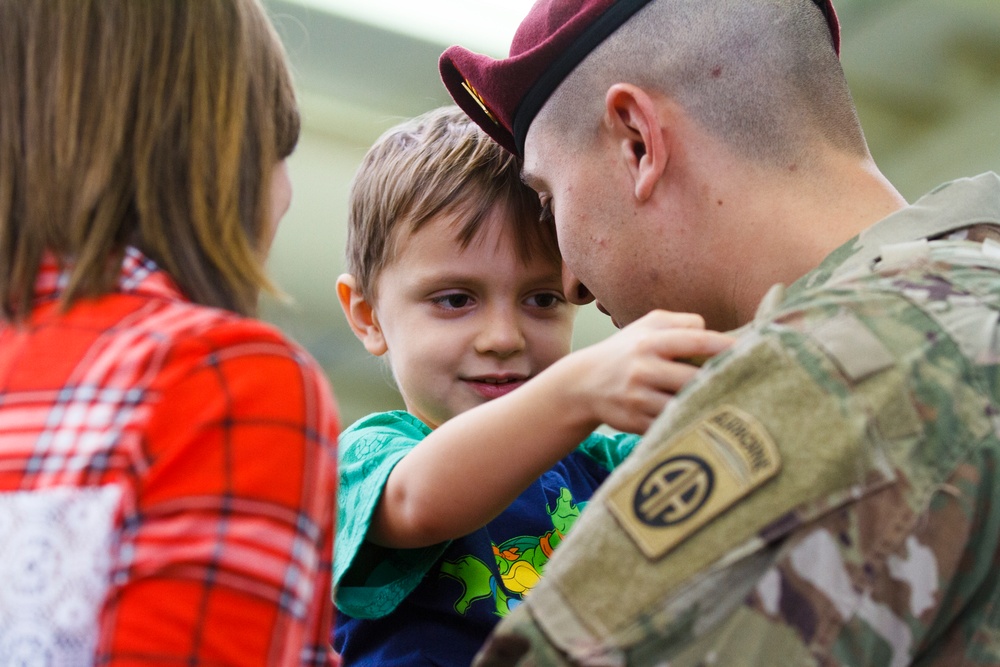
[153,123]
[436,164]
[762,76]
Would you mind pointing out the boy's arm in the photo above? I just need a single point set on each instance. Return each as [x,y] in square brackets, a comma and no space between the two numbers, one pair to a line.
[475,464]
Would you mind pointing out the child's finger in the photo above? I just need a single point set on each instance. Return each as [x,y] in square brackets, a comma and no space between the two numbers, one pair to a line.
[640,411]
[667,376]
[688,344]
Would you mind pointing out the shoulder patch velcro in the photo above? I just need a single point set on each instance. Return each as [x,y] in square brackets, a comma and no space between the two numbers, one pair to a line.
[853,347]
[702,472]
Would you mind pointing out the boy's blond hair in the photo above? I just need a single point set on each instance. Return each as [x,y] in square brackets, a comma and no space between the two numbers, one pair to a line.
[155,124]
[438,163]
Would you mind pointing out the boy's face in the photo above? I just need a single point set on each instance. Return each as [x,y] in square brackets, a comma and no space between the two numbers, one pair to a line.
[464,326]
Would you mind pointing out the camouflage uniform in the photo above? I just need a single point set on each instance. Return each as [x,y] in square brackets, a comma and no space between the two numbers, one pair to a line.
[823,493]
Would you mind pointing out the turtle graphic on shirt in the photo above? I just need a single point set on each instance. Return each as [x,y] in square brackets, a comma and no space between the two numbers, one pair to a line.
[520,561]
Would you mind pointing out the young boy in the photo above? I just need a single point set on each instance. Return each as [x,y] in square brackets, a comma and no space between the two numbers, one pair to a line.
[449,511]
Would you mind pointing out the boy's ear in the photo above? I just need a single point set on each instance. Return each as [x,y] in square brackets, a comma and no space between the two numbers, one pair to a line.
[634,123]
[360,315]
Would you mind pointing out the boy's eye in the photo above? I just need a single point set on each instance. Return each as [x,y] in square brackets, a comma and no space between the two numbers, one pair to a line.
[452,300]
[545,300]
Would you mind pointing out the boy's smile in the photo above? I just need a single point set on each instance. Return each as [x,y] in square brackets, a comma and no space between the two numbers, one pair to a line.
[462,326]
[493,386]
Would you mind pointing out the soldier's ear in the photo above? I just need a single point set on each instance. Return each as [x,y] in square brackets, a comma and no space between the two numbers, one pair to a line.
[361,315]
[633,120]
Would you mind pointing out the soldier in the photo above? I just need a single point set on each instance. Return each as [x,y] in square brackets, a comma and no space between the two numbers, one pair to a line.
[822,493]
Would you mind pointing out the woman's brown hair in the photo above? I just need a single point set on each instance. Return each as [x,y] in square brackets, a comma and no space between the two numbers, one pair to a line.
[154,123]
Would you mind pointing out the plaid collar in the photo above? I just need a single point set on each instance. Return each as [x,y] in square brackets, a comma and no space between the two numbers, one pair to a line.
[138,275]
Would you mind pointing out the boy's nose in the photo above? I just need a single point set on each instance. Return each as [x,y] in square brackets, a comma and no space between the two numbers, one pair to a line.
[501,334]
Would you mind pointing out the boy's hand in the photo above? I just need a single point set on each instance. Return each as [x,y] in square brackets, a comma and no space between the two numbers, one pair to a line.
[628,378]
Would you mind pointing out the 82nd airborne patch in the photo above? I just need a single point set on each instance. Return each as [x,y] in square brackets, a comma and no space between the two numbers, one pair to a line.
[701,472]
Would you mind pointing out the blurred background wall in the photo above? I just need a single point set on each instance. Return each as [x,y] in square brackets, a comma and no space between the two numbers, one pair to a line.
[925,75]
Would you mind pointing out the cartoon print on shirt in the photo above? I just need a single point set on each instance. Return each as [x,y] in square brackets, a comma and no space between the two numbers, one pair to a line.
[520,561]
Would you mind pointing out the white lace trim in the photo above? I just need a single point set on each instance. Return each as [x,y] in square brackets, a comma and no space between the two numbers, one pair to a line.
[55,557]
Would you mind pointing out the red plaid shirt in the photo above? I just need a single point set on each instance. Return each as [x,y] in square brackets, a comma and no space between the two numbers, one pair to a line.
[218,434]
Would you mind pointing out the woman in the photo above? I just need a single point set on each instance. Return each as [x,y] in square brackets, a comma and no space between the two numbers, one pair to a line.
[167,463]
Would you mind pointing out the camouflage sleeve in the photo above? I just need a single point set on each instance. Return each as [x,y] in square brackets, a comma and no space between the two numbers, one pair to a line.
[818,496]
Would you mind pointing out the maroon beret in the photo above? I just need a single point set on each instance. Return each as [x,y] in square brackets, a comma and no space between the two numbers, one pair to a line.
[504,96]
